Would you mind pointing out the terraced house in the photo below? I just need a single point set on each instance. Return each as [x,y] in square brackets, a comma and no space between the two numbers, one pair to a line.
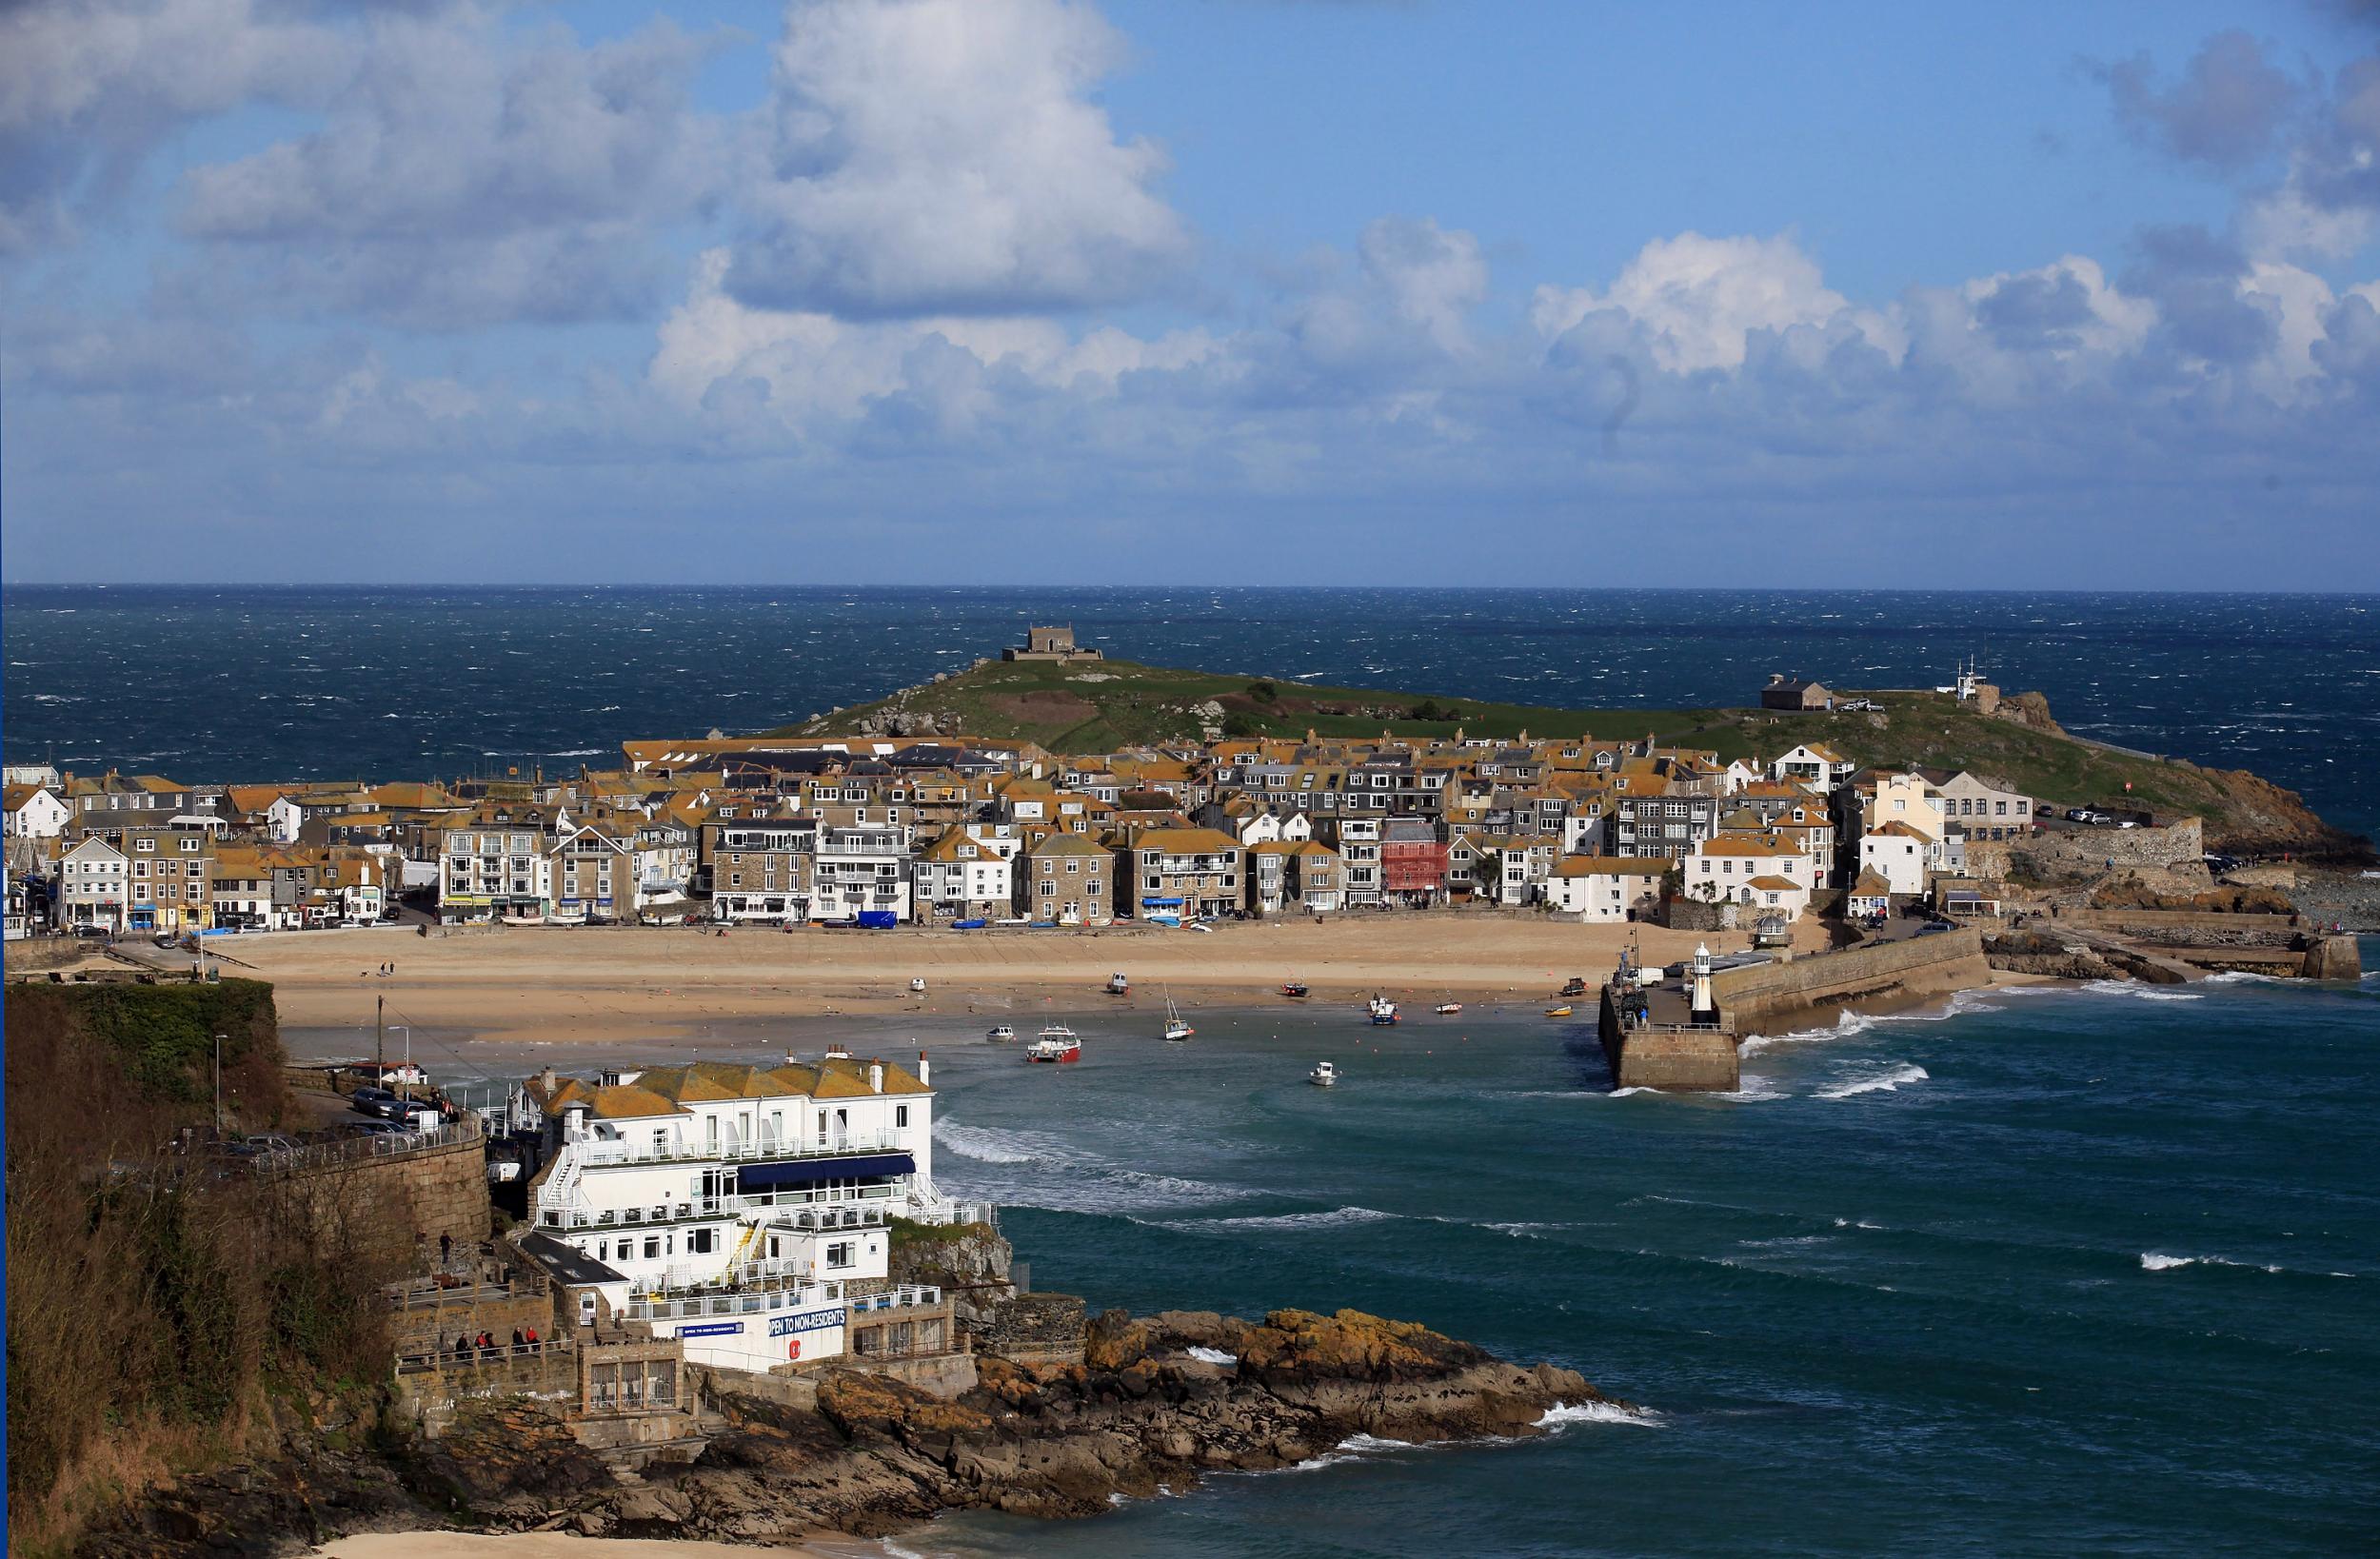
[495,865]
[760,868]
[1066,879]
[960,878]
[1188,871]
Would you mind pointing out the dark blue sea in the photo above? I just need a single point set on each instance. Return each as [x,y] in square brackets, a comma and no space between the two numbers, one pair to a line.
[218,683]
[2042,1272]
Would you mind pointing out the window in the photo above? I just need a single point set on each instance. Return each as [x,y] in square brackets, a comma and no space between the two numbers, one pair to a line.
[698,1242]
[900,1116]
[839,1254]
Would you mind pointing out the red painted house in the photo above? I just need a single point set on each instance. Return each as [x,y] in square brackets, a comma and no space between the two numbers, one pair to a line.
[1413,862]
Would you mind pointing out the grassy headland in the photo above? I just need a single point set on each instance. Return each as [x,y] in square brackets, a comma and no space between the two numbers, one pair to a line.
[1099,706]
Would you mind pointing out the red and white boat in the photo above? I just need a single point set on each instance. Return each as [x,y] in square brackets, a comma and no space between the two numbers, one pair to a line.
[1055,1043]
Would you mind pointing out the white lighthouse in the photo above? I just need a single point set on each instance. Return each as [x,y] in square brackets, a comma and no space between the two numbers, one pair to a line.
[1705,1010]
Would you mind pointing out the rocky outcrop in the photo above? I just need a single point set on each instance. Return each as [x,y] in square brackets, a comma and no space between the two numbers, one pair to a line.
[1155,1403]
[968,1261]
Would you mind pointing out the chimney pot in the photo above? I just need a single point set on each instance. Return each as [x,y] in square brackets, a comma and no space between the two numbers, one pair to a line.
[876,1076]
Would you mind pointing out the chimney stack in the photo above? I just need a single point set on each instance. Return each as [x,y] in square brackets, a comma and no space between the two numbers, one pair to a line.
[925,1075]
[876,1076]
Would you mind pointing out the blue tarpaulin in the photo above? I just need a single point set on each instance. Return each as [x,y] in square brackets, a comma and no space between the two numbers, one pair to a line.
[810,1172]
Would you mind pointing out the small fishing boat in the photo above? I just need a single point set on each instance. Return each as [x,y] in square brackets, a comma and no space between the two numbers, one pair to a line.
[917,985]
[1001,1034]
[1293,988]
[1175,1027]
[1382,1011]
[1448,1009]
[1558,1012]
[1057,1043]
[1117,986]
[1323,1076]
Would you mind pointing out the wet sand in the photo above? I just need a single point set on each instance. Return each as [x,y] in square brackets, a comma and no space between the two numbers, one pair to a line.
[546,985]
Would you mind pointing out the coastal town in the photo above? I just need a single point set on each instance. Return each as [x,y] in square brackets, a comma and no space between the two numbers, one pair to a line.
[733,1293]
[877,830]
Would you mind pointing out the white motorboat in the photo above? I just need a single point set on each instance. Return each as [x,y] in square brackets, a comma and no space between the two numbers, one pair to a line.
[1001,1034]
[1323,1076]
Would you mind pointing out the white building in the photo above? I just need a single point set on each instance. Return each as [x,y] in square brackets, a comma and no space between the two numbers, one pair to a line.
[1730,866]
[1898,855]
[1599,889]
[742,1209]
[34,812]
[94,884]
[860,869]
[958,875]
[1814,764]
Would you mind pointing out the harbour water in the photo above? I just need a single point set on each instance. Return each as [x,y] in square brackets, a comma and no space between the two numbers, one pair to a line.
[2053,1271]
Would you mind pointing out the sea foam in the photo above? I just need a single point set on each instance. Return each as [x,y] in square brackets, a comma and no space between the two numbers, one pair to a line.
[1562,1415]
[1886,1082]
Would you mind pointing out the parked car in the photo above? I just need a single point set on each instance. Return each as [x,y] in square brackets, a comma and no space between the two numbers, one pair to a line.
[92,931]
[1933,926]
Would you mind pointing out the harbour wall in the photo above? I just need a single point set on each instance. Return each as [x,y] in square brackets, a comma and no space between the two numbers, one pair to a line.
[1672,1060]
[1773,998]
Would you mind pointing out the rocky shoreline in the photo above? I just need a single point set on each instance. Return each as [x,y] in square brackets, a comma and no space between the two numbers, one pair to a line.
[1154,1405]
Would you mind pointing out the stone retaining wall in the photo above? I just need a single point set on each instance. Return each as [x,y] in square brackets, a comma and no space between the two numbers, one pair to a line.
[1036,1328]
[433,1191]
[2063,853]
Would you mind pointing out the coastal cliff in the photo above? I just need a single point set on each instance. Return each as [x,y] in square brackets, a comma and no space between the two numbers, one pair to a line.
[1156,1403]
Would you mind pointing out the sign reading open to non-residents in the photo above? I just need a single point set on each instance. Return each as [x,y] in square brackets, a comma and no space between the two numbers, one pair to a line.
[809,1320]
[713,1329]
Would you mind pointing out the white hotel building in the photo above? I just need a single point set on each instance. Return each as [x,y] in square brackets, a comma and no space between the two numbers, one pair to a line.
[743,1209]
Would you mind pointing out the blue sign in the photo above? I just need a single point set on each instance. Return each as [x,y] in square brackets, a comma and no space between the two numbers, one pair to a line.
[712,1328]
[813,1320]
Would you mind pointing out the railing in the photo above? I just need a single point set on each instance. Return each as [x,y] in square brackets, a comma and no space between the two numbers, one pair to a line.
[379,1145]
[469,1358]
[421,1296]
[568,1212]
[592,1151]
[908,1295]
[750,1299]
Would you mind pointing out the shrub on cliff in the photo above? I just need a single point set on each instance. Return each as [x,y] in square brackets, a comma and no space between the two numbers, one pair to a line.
[157,1298]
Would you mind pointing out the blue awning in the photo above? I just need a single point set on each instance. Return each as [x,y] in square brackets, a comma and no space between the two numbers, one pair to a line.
[810,1172]
[1155,903]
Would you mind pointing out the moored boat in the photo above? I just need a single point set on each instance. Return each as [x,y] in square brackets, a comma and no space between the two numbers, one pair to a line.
[1558,1012]
[1293,988]
[1117,986]
[1381,1011]
[1448,1009]
[1323,1076]
[1055,1044]
[1175,1027]
[1001,1034]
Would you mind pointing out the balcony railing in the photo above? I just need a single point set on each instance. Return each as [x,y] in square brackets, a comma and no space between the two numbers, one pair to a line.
[595,1153]
[573,1211]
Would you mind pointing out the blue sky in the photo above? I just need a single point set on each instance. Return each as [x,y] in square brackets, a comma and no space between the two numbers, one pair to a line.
[1241,290]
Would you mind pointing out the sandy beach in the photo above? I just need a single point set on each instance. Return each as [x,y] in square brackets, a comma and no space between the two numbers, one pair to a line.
[553,984]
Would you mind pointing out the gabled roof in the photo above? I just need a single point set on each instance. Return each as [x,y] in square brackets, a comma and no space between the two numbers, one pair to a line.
[1611,866]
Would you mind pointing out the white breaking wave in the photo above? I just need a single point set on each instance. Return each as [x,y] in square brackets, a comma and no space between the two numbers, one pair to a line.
[1881,1083]
[990,1144]
[1520,1231]
[2158,1261]
[1373,1442]
[1214,1355]
[2143,993]
[1562,1415]
[1623,1093]
[1335,1218]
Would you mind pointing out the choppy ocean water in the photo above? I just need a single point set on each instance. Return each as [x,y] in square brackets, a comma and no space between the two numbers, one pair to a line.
[2058,1272]
[221,682]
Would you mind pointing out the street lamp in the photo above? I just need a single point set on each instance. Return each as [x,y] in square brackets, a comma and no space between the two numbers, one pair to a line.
[219,1039]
